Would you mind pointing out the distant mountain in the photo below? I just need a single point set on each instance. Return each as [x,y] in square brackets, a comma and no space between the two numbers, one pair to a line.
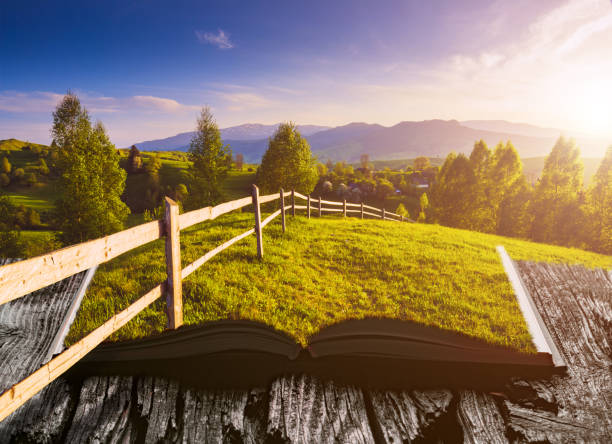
[503,126]
[432,138]
[248,132]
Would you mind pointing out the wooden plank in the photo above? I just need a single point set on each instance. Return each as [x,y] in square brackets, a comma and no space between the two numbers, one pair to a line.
[332,210]
[301,196]
[174,286]
[354,205]
[300,207]
[212,253]
[372,214]
[330,202]
[268,198]
[539,333]
[388,213]
[362,210]
[19,393]
[383,214]
[344,207]
[293,203]
[353,211]
[270,218]
[367,207]
[282,207]
[20,278]
[190,218]
[319,206]
[308,206]
[255,192]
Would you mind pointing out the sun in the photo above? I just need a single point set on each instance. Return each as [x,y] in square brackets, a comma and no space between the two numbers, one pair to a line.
[590,107]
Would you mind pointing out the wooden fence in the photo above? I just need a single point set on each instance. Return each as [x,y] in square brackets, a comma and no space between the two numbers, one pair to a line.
[21,278]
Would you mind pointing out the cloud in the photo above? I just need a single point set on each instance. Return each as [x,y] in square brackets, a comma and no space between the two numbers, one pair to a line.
[241,101]
[45,102]
[27,102]
[221,40]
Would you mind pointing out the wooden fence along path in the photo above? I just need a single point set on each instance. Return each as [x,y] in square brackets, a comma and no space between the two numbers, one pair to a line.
[21,278]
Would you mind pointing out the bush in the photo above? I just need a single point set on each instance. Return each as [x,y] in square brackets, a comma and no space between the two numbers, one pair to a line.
[5,180]
[19,173]
[30,179]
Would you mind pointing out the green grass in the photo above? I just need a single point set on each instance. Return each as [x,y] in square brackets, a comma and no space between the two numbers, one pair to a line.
[323,271]
[41,197]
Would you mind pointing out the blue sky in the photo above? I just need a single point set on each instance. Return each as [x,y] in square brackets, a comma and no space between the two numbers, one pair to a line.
[144,68]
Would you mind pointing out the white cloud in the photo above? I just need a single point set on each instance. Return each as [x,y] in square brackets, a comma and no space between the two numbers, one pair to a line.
[45,102]
[221,40]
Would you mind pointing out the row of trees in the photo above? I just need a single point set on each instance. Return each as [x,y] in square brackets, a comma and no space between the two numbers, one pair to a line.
[488,192]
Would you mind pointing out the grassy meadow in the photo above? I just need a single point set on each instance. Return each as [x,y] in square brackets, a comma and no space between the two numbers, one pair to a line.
[325,270]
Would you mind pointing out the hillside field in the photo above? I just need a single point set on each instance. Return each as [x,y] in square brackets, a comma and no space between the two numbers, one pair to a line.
[325,270]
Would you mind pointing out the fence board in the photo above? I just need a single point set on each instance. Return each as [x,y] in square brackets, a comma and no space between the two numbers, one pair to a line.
[20,278]
[301,196]
[371,208]
[329,202]
[196,216]
[269,219]
[354,205]
[372,214]
[268,198]
[18,394]
[331,210]
[212,253]
[300,207]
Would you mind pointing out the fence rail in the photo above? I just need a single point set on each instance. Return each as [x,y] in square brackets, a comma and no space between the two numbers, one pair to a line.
[21,278]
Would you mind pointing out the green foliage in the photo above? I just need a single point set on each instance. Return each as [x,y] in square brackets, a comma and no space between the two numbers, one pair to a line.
[134,160]
[424,203]
[6,166]
[18,174]
[384,188]
[599,207]
[401,210]
[211,162]
[42,167]
[421,163]
[91,180]
[287,163]
[555,206]
[5,180]
[30,179]
[452,191]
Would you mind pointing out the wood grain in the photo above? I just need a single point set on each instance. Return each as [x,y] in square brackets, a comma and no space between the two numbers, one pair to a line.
[20,278]
[174,284]
[208,213]
[19,393]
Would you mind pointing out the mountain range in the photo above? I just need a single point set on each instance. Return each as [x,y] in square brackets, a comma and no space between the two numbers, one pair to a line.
[432,138]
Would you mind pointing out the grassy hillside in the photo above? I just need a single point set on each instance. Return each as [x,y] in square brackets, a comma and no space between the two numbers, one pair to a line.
[323,271]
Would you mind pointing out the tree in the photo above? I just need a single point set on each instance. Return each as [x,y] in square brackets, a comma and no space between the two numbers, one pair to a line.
[239,161]
[11,245]
[401,210]
[42,167]
[134,160]
[513,217]
[555,204]
[210,162]
[364,160]
[384,188]
[599,207]
[6,166]
[482,217]
[91,181]
[288,162]
[424,204]
[452,191]
[5,180]
[421,163]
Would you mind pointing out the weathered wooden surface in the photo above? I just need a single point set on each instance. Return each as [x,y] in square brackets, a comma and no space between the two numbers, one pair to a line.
[576,304]
[174,284]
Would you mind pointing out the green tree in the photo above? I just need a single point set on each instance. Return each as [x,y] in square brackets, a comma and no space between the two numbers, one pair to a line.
[287,163]
[384,189]
[210,162]
[401,210]
[555,205]
[6,166]
[514,218]
[134,160]
[42,167]
[452,191]
[421,163]
[5,180]
[599,207]
[424,205]
[11,244]
[91,181]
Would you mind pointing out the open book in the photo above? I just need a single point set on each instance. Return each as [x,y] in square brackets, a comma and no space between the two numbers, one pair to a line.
[376,352]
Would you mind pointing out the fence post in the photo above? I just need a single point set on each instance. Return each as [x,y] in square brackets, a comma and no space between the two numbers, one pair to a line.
[401,218]
[257,222]
[293,203]
[308,206]
[319,206]
[282,205]
[344,208]
[174,289]
[383,214]
[362,209]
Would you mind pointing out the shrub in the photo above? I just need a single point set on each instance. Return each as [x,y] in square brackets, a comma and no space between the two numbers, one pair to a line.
[5,180]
